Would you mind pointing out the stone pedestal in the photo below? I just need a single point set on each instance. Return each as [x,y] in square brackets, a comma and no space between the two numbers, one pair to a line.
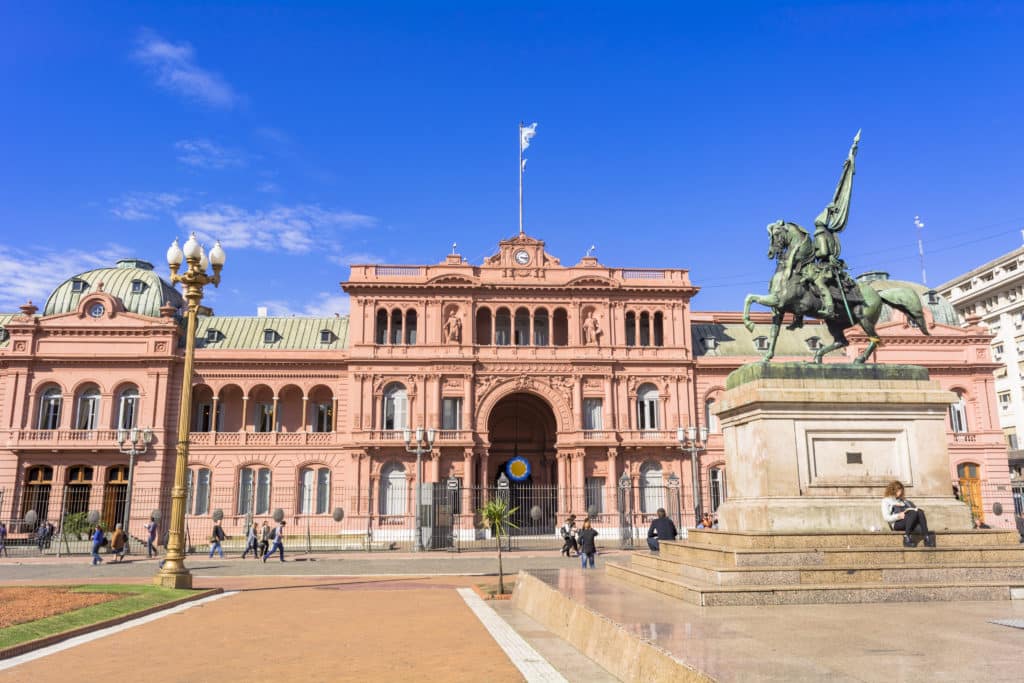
[810,448]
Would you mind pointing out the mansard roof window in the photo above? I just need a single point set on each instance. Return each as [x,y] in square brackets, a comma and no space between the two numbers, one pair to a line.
[78,286]
[270,336]
[213,336]
[326,337]
[761,343]
[138,286]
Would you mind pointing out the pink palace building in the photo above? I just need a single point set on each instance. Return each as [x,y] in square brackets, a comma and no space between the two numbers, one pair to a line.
[582,373]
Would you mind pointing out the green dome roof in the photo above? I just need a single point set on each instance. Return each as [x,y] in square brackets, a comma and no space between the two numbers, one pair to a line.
[942,311]
[133,281]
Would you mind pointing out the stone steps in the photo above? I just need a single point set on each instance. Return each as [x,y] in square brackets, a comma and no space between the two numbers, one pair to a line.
[763,540]
[894,573]
[708,595]
[707,555]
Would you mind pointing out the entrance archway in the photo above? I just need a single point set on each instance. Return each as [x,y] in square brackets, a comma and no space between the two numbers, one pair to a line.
[523,425]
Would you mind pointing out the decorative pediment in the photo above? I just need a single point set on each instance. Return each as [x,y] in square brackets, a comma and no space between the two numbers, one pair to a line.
[592,281]
[451,279]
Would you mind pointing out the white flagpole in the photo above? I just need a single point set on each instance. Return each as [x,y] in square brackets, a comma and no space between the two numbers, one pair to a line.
[520,178]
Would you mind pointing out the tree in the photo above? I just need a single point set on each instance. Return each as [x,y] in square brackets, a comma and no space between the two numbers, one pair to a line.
[497,515]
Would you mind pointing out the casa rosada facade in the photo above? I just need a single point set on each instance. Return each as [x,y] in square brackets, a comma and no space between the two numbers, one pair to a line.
[583,372]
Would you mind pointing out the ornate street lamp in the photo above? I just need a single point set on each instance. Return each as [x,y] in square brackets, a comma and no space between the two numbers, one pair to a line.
[689,443]
[132,442]
[173,573]
[423,443]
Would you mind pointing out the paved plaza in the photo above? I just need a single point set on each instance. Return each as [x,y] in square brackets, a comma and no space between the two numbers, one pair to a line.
[368,617]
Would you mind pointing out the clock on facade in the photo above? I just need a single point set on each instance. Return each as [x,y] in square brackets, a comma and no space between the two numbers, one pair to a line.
[96,310]
[522,257]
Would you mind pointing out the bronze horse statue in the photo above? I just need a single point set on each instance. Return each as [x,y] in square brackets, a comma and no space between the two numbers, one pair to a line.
[793,250]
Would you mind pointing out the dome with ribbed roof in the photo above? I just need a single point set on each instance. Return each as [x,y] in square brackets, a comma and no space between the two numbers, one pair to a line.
[132,280]
[942,311]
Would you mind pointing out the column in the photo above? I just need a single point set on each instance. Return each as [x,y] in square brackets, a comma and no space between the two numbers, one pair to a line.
[484,480]
[579,480]
[467,405]
[433,469]
[434,414]
[611,482]
[245,413]
[215,409]
[467,481]
[577,400]
[273,415]
[305,412]
[608,417]
[636,329]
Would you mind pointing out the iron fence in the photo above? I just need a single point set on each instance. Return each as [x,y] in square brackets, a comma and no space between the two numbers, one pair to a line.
[343,519]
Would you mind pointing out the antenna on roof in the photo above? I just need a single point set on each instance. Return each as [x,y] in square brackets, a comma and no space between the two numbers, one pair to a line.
[919,224]
[454,245]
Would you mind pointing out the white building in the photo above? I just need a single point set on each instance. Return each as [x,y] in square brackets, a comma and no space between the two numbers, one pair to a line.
[994,294]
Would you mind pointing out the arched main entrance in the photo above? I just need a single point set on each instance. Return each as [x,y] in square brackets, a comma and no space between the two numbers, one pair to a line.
[523,426]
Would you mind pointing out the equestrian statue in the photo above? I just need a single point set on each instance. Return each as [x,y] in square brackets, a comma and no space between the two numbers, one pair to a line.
[811,280]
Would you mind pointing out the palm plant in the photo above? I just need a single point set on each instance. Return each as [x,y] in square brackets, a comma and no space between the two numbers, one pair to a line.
[496,514]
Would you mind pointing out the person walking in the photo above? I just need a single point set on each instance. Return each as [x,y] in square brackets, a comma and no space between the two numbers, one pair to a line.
[118,543]
[252,541]
[588,549]
[662,529]
[265,533]
[97,539]
[278,538]
[3,539]
[568,532]
[151,530]
[216,537]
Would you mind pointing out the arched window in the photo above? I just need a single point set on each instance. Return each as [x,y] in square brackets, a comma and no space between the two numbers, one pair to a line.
[88,409]
[314,490]
[645,329]
[560,328]
[254,490]
[710,419]
[958,413]
[79,481]
[380,332]
[392,489]
[647,407]
[630,328]
[395,409]
[396,326]
[49,408]
[410,327]
[483,326]
[38,481]
[197,501]
[716,485]
[127,408]
[540,327]
[659,329]
[652,490]
[969,474]
[522,327]
[502,327]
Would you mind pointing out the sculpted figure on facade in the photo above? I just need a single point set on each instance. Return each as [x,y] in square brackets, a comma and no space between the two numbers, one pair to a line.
[591,330]
[453,328]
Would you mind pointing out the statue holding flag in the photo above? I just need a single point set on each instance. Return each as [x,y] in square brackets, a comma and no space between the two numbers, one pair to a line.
[810,277]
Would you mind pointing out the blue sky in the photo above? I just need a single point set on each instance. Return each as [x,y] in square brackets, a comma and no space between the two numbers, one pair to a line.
[310,136]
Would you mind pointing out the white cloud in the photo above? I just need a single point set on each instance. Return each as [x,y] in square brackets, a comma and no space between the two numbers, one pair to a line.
[26,275]
[324,305]
[360,257]
[175,69]
[143,206]
[205,154]
[295,229]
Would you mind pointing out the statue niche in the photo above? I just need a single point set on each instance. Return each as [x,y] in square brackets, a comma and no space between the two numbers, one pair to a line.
[453,327]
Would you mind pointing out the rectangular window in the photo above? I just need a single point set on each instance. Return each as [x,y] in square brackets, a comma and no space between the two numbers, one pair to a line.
[1011,441]
[323,490]
[264,417]
[592,418]
[647,414]
[263,491]
[451,413]
[245,481]
[1004,401]
[202,496]
[594,495]
[716,484]
[306,492]
[128,409]
[323,417]
[88,412]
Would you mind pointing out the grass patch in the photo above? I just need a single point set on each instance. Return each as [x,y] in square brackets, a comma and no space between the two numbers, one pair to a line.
[135,598]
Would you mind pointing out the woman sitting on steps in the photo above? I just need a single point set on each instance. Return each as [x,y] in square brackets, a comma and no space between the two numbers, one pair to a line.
[902,515]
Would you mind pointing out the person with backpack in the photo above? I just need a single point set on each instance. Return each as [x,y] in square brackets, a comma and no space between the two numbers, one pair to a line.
[216,537]
[252,541]
[119,543]
[568,531]
[278,540]
[98,540]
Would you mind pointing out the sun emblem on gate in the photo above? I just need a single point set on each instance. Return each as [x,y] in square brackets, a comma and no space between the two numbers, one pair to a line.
[518,468]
